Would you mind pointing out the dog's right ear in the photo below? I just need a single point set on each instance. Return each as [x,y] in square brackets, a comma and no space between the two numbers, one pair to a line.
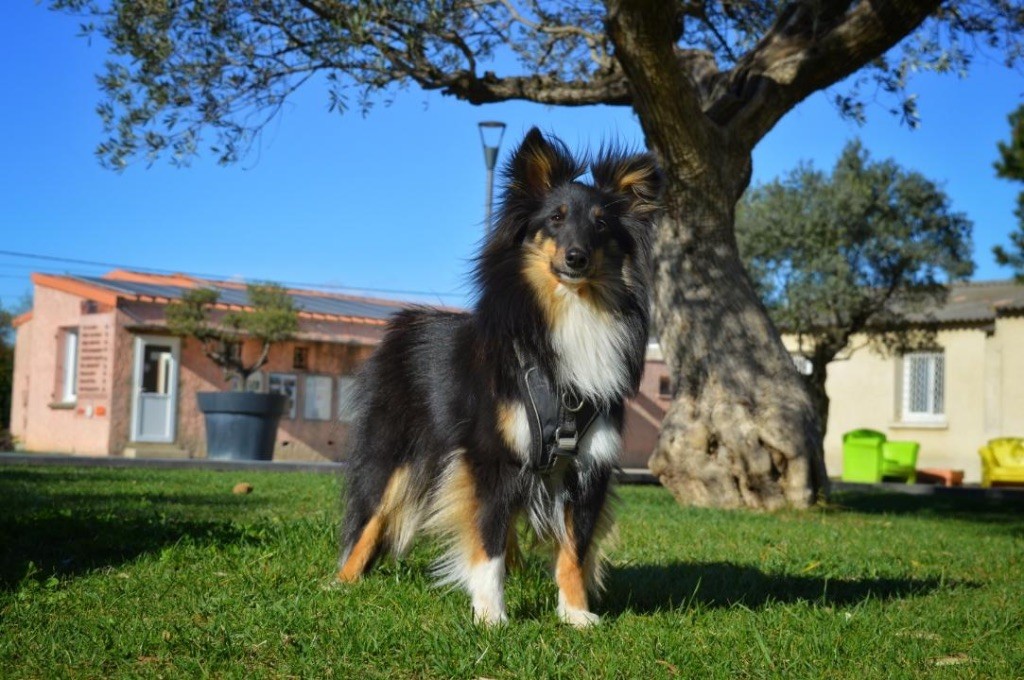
[540,164]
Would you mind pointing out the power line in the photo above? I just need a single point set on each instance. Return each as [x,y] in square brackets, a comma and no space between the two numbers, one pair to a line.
[221,277]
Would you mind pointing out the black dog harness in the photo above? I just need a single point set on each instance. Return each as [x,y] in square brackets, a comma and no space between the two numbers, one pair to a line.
[558,417]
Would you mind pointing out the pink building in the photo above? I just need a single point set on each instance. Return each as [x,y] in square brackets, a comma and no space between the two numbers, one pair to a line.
[96,371]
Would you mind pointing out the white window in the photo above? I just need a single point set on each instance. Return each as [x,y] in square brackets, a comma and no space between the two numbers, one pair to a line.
[802,363]
[69,386]
[924,393]
[288,385]
[317,399]
[346,398]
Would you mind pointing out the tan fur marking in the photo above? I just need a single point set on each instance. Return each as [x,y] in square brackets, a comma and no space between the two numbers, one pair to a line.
[506,424]
[637,176]
[537,268]
[392,512]
[539,166]
[362,552]
[396,492]
[569,573]
[457,512]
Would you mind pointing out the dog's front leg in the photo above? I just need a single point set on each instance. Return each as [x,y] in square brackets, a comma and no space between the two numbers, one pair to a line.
[487,590]
[577,565]
[486,582]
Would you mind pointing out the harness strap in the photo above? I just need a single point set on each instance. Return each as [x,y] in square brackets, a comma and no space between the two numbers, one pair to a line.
[558,418]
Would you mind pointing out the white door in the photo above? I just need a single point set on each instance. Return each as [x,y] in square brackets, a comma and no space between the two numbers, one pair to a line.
[155,386]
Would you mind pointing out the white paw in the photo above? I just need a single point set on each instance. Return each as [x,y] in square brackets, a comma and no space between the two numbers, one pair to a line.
[578,618]
[487,616]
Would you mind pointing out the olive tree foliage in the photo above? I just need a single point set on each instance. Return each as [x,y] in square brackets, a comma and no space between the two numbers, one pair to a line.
[270,318]
[182,68]
[1011,166]
[707,80]
[867,250]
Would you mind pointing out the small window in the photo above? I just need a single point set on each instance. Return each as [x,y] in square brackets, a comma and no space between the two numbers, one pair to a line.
[288,385]
[924,393]
[317,398]
[665,387]
[346,398]
[803,364]
[69,363]
[300,358]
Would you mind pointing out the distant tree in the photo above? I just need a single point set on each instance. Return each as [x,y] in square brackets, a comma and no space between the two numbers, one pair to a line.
[865,250]
[1011,166]
[707,79]
[272,318]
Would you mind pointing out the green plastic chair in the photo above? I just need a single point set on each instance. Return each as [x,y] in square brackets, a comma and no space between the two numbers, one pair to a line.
[862,456]
[899,459]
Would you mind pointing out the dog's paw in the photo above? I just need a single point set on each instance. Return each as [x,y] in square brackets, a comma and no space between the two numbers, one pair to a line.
[578,618]
[485,616]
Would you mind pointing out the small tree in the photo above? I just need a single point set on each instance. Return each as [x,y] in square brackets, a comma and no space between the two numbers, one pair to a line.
[862,251]
[1011,166]
[272,318]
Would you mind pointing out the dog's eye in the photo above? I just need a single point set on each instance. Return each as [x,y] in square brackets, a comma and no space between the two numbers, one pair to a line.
[557,217]
[601,226]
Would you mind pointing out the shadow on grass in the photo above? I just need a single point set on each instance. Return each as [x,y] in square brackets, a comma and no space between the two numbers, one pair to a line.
[942,503]
[1006,513]
[644,589]
[48,526]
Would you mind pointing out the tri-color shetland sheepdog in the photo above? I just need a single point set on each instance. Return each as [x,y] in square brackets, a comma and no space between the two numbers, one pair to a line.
[454,422]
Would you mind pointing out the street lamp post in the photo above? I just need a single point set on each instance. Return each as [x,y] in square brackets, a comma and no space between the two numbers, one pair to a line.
[491,134]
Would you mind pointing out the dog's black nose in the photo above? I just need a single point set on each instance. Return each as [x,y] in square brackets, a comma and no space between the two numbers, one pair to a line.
[576,259]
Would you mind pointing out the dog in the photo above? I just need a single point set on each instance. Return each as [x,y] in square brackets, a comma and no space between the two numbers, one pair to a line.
[466,422]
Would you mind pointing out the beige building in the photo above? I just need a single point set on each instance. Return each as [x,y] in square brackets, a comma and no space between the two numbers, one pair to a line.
[966,390]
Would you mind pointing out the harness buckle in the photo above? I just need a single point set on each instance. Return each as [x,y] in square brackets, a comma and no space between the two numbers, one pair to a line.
[567,441]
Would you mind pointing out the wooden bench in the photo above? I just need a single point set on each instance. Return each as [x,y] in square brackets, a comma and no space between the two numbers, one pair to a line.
[942,476]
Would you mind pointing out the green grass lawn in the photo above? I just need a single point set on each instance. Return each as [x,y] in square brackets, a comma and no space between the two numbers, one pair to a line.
[154,573]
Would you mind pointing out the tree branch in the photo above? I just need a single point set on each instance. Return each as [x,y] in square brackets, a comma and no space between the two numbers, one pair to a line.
[811,46]
[644,34]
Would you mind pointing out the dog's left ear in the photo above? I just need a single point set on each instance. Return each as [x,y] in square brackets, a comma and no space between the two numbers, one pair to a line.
[539,164]
[637,178]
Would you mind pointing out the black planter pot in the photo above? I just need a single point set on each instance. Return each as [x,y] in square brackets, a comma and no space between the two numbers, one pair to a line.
[241,425]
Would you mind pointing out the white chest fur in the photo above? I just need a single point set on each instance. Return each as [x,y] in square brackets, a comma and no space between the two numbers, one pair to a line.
[591,345]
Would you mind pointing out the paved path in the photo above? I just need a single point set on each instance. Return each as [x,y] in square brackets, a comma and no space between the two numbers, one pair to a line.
[1013,495]
[628,476]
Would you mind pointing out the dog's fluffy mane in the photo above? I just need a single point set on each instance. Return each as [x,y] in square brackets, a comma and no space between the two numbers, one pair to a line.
[505,307]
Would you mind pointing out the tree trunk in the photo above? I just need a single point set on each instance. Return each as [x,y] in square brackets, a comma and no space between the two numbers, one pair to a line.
[742,430]
[816,387]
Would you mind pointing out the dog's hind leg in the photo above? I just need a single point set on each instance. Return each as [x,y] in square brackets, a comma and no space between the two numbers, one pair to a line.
[478,531]
[370,520]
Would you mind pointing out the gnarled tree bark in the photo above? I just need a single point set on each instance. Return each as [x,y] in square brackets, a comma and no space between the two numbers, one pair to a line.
[743,429]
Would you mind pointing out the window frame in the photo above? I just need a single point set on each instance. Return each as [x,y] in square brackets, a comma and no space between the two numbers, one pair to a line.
[307,397]
[346,398]
[293,412]
[936,377]
[69,348]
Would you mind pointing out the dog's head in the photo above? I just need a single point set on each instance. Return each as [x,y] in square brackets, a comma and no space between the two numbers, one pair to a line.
[574,234]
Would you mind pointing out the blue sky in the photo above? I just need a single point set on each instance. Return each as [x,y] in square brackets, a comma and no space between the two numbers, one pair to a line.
[391,201]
